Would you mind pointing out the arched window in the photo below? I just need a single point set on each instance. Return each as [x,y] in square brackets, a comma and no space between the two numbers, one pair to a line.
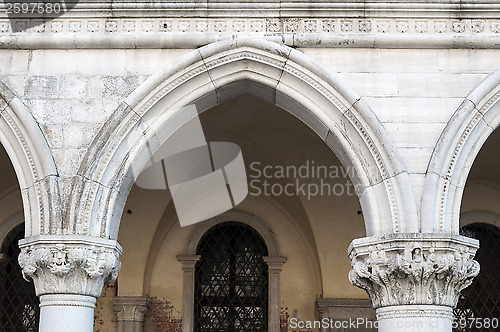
[19,306]
[231,280]
[481,300]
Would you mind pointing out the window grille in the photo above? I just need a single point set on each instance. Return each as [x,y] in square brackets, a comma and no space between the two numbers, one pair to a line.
[231,280]
[19,306]
[480,302]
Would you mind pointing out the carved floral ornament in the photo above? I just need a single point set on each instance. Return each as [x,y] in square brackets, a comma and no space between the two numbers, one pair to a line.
[417,271]
[69,268]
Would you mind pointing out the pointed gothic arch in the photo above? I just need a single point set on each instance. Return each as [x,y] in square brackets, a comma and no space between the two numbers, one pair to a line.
[457,148]
[33,163]
[219,72]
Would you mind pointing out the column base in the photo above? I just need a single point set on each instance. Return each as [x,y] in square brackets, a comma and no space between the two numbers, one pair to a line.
[415,318]
[66,312]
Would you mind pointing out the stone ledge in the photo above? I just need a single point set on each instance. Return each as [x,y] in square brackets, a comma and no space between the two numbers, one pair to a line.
[191,41]
[272,24]
[233,8]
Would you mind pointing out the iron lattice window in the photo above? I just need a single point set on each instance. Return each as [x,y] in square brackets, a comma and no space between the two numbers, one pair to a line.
[480,302]
[231,280]
[19,306]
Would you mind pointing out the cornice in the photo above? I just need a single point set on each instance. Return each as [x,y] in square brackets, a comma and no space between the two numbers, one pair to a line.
[277,8]
[169,24]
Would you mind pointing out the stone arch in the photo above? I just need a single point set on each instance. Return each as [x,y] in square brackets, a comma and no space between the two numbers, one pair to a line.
[33,163]
[462,138]
[274,261]
[7,225]
[219,72]
[164,228]
[239,216]
[479,216]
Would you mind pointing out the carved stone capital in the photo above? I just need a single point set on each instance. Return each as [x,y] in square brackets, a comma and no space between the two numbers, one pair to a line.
[188,262]
[274,263]
[408,269]
[130,308]
[69,264]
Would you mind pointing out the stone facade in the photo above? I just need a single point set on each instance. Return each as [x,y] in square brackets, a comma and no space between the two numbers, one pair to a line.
[403,96]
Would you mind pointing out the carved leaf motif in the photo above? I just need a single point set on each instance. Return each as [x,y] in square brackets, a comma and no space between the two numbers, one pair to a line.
[431,278]
[75,269]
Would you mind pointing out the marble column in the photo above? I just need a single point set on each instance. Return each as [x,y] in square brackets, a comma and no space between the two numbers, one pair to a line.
[413,280]
[274,263]
[188,268]
[69,273]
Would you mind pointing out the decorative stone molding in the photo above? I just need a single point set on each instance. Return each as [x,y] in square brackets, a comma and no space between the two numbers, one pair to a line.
[274,263]
[126,24]
[188,262]
[414,318]
[32,160]
[413,269]
[154,33]
[69,264]
[460,142]
[293,25]
[415,311]
[67,300]
[314,8]
[129,312]
[238,25]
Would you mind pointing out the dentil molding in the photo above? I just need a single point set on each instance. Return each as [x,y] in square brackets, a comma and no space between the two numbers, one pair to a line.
[413,269]
[69,264]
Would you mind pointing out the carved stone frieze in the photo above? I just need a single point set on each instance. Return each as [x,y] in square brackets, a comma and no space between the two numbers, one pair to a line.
[69,265]
[413,268]
[237,25]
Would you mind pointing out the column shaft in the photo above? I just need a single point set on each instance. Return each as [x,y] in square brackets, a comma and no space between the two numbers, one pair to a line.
[274,263]
[188,268]
[66,312]
[414,318]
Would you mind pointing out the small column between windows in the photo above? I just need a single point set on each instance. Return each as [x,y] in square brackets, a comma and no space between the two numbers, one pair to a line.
[129,311]
[188,268]
[274,264]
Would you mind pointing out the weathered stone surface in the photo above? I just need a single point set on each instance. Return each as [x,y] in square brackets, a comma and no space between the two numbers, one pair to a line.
[69,265]
[413,269]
